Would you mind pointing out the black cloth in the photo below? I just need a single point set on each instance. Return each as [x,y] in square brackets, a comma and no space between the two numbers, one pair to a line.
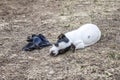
[36,42]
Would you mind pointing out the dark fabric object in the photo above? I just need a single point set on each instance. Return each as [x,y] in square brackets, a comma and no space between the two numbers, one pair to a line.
[36,42]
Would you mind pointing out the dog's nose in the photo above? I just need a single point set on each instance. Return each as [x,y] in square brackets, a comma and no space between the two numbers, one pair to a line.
[52,53]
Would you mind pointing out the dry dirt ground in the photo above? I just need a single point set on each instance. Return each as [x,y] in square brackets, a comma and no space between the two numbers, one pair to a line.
[21,18]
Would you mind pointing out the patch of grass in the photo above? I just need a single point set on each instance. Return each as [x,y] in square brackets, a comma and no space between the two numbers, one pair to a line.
[95,1]
[114,55]
[108,74]
[66,26]
[62,14]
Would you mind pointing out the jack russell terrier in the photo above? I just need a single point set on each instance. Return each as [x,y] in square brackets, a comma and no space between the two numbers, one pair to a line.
[82,37]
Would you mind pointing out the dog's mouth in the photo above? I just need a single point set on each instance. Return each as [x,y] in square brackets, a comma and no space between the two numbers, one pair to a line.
[62,51]
[71,47]
[53,54]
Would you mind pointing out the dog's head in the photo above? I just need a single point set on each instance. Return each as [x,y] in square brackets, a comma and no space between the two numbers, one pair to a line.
[62,45]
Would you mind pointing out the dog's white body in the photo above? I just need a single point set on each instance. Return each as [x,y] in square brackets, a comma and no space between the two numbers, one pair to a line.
[86,35]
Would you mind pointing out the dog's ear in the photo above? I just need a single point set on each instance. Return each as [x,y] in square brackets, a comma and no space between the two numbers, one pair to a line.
[61,36]
[72,48]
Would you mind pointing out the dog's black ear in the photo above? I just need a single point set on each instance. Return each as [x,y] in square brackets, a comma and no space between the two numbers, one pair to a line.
[61,36]
[73,48]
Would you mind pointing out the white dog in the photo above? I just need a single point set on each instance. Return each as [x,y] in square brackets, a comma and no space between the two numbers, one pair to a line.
[86,35]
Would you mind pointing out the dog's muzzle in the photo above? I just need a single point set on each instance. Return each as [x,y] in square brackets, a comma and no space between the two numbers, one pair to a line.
[52,53]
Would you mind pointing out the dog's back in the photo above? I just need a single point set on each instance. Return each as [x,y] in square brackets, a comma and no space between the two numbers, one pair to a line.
[88,34]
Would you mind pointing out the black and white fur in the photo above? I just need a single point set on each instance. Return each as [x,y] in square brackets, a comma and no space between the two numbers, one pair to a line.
[82,37]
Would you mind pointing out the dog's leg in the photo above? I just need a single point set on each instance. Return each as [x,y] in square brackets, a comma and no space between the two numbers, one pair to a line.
[73,48]
[79,44]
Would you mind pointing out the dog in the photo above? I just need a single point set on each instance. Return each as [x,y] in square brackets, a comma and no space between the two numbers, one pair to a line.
[86,35]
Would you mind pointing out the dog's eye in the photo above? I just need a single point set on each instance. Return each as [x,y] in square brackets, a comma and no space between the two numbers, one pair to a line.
[56,44]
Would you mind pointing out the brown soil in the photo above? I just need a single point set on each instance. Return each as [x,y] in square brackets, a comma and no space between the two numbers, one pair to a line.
[21,18]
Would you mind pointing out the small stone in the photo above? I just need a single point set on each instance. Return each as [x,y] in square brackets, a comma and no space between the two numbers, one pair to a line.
[51,72]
